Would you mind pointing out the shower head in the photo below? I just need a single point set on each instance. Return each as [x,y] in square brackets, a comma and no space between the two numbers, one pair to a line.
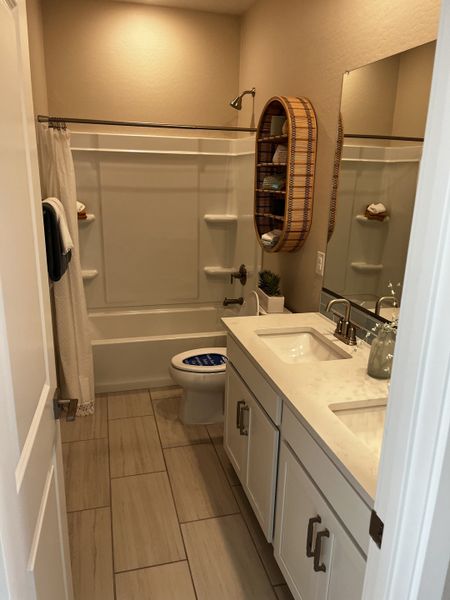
[237,102]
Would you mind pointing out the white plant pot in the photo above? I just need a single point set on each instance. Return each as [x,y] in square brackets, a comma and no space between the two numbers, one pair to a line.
[271,304]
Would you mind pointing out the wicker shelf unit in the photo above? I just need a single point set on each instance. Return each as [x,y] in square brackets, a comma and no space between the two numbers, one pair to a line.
[290,209]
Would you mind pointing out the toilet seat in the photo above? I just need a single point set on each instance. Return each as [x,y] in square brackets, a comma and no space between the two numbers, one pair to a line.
[201,360]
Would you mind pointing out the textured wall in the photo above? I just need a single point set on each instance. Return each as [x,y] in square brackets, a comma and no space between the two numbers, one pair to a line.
[117,60]
[298,47]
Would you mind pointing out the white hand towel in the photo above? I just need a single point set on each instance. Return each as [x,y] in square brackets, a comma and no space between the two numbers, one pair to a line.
[80,207]
[376,209]
[66,239]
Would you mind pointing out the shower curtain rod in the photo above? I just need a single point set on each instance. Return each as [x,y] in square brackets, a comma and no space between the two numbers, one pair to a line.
[47,119]
[397,138]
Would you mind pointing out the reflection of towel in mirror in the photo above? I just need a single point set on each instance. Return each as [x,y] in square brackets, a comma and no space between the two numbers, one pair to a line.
[66,239]
[376,209]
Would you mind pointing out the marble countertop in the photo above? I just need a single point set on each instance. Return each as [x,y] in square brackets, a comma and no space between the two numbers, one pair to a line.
[310,388]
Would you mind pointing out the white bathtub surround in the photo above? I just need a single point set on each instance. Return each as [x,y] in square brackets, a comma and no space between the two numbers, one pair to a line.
[324,396]
[133,348]
[74,352]
[167,208]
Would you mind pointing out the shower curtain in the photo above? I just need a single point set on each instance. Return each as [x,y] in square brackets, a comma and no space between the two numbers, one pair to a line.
[73,344]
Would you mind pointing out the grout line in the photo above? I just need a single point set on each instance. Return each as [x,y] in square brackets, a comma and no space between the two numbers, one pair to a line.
[232,514]
[176,510]
[111,502]
[131,417]
[138,474]
[70,512]
[170,562]
[104,437]
[190,443]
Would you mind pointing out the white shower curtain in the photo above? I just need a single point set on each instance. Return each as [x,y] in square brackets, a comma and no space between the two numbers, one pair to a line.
[73,344]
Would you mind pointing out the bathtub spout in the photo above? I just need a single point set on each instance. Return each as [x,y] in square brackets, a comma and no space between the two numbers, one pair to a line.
[228,301]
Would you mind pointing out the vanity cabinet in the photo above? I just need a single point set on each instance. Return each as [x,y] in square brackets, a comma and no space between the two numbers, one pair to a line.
[315,553]
[251,441]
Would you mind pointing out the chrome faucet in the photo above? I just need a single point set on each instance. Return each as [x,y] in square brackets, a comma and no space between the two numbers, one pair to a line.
[345,330]
[383,300]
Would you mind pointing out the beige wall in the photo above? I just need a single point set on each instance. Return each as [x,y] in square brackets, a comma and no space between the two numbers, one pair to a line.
[37,57]
[114,60]
[299,47]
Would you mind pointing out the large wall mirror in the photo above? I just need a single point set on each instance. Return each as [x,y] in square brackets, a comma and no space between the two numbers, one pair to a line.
[383,107]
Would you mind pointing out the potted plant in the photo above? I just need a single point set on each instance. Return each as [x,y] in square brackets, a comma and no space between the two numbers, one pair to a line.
[270,298]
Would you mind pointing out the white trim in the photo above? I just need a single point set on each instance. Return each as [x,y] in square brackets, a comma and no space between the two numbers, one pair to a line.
[40,519]
[27,449]
[413,477]
[159,152]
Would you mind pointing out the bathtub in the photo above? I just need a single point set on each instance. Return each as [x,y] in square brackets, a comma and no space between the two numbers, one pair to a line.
[132,348]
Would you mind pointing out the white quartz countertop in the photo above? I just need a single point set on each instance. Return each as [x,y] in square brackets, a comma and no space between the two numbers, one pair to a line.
[310,388]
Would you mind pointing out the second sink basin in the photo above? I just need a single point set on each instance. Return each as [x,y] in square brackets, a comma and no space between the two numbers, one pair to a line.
[301,345]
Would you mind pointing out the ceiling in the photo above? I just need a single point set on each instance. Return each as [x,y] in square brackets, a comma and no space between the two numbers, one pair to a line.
[233,7]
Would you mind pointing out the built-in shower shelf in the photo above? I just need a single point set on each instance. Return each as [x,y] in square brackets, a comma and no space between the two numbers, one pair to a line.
[364,267]
[218,271]
[88,274]
[363,219]
[89,218]
[228,218]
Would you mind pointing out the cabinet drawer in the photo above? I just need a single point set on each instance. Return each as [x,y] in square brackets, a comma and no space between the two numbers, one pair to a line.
[352,510]
[267,397]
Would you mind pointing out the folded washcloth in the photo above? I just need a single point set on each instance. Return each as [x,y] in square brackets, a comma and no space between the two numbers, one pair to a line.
[66,239]
[81,207]
[271,237]
[376,209]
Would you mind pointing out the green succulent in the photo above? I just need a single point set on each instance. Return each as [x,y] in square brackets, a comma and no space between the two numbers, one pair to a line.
[269,283]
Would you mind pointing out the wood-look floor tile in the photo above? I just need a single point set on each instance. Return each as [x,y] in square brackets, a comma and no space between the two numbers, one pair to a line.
[216,434]
[172,431]
[91,554]
[265,550]
[145,526]
[87,428]
[86,474]
[134,447]
[170,391]
[134,403]
[224,562]
[199,485]
[283,592]
[166,582]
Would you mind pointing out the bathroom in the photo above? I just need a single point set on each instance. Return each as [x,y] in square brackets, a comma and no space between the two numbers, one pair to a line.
[139,497]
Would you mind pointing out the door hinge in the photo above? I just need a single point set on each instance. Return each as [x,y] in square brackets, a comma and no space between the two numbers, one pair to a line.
[68,406]
[376,528]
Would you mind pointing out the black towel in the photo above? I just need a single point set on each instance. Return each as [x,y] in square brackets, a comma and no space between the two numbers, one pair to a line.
[57,262]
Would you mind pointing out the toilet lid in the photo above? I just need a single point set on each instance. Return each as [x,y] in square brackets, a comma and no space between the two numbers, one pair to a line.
[201,360]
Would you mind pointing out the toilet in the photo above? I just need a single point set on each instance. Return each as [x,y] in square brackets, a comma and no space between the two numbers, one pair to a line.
[201,374]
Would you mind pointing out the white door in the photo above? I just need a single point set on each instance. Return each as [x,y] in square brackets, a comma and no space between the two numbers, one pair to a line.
[237,398]
[33,529]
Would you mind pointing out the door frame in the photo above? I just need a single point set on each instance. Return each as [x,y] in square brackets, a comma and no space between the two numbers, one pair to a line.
[414,482]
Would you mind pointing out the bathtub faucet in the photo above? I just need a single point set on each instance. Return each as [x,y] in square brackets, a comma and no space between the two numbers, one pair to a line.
[228,301]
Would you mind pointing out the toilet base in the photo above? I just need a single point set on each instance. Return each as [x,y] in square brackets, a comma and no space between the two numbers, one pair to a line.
[201,408]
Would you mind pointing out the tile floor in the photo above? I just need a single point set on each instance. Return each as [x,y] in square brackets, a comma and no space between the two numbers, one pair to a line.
[155,510]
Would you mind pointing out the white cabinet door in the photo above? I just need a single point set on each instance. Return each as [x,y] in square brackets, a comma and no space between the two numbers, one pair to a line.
[261,472]
[299,506]
[237,397]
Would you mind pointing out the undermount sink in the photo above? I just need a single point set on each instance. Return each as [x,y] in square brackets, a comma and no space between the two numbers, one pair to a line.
[301,345]
[364,419]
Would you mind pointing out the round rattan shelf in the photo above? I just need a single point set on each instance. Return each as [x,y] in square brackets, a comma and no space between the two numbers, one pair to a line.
[290,208]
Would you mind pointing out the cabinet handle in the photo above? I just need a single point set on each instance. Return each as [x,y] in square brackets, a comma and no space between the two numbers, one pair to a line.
[238,413]
[318,549]
[309,537]
[242,428]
